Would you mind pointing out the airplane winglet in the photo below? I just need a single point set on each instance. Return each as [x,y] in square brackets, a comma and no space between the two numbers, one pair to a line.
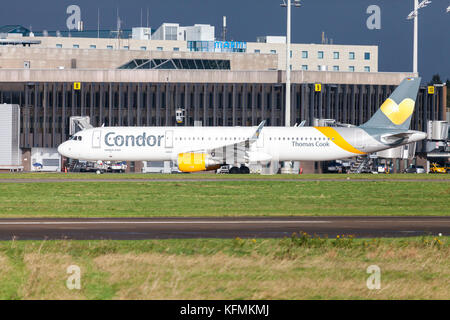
[258,131]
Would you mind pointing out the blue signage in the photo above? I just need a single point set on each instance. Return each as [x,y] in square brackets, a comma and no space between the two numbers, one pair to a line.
[230,45]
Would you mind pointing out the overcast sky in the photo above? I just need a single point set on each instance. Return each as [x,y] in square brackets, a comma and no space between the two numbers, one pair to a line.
[343,20]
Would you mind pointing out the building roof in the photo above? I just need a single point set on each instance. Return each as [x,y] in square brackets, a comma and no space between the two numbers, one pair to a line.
[10,28]
[180,64]
[104,34]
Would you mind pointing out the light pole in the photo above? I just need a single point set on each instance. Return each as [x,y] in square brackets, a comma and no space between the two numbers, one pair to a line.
[288,59]
[288,165]
[415,15]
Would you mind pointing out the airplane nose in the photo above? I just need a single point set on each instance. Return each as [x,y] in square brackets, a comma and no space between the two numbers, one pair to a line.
[62,149]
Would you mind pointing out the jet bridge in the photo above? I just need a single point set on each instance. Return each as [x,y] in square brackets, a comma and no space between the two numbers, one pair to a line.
[78,124]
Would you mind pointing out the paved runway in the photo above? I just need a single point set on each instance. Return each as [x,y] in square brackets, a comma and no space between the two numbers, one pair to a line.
[266,227]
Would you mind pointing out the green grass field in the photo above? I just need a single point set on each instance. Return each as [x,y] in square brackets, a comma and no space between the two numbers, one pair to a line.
[208,176]
[292,268]
[271,197]
[300,267]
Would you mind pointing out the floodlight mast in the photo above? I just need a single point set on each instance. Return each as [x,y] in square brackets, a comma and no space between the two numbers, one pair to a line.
[288,59]
[415,15]
[416,38]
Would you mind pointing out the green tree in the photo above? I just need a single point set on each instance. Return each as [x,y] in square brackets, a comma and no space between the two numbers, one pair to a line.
[448,95]
[435,80]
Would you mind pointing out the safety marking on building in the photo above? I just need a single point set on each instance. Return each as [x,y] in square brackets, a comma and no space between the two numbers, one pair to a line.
[318,87]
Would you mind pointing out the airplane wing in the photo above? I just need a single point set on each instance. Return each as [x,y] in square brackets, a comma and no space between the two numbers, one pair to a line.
[237,152]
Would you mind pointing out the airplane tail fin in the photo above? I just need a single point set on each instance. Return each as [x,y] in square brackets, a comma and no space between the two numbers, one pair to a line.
[397,110]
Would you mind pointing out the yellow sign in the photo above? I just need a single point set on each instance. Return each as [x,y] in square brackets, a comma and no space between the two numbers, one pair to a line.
[431,90]
[318,87]
[76,86]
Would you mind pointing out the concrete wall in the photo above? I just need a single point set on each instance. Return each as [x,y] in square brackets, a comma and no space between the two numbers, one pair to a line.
[313,61]
[52,58]
[199,76]
[104,43]
[109,53]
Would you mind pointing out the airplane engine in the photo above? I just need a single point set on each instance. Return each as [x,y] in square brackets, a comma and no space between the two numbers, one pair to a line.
[195,162]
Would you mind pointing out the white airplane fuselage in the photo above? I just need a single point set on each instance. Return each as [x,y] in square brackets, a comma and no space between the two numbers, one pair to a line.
[274,143]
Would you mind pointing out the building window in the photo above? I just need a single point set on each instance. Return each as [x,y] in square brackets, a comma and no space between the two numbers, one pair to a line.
[367,56]
[109,47]
[335,68]
[320,54]
[291,54]
[257,51]
[159,48]
[143,48]
[126,47]
[93,46]
[305,54]
[59,45]
[76,46]
[273,51]
[351,68]
[304,67]
[366,69]
[176,49]
[351,56]
[336,55]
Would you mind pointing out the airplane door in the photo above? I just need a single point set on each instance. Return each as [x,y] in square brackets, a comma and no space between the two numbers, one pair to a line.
[358,139]
[96,136]
[169,139]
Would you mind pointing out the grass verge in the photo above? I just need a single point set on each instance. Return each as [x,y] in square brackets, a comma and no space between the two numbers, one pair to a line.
[300,267]
[223,198]
[209,176]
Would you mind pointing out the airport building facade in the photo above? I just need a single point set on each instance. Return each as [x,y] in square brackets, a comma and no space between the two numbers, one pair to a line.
[173,39]
[143,82]
[48,98]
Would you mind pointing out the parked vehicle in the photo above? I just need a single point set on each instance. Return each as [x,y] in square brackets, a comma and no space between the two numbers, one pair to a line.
[117,167]
[335,167]
[224,169]
[414,169]
[384,168]
[437,168]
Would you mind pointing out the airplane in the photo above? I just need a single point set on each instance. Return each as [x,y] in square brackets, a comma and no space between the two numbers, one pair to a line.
[196,149]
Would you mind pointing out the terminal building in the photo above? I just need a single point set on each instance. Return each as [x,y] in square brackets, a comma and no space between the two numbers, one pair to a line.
[143,79]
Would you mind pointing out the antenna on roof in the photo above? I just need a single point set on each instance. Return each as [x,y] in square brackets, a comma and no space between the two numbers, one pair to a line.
[119,29]
[98,22]
[224,32]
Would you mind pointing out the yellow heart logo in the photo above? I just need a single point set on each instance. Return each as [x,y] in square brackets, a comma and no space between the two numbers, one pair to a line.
[398,114]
